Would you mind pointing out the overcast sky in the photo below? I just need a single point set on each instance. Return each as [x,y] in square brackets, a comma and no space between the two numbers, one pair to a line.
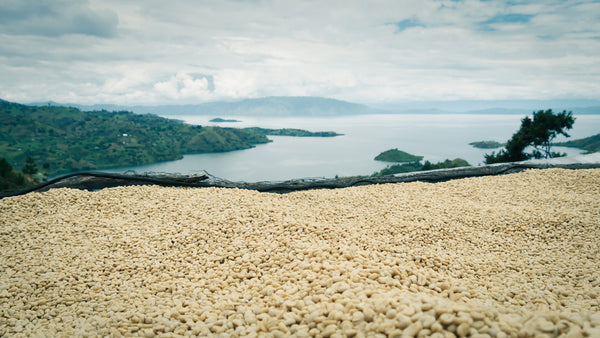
[192,51]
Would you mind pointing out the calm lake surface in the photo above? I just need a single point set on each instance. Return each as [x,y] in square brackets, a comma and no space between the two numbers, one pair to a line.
[436,137]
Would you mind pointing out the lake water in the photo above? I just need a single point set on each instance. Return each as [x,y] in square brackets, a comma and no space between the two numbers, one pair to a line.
[436,137]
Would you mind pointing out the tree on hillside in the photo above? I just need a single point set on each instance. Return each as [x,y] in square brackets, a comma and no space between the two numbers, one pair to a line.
[30,167]
[538,133]
[5,168]
[11,179]
[545,127]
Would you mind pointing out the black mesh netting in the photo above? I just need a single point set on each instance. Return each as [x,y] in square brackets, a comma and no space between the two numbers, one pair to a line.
[100,180]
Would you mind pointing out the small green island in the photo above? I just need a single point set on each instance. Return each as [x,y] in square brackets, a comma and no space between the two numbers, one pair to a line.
[487,144]
[395,155]
[220,120]
[291,132]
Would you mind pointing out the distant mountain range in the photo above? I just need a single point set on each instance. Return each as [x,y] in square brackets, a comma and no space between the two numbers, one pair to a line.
[269,106]
[284,106]
[577,106]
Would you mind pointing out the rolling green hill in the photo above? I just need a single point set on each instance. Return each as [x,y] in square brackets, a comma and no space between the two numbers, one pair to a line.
[65,139]
[591,144]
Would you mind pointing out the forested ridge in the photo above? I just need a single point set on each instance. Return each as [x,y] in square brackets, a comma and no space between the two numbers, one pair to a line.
[591,144]
[65,139]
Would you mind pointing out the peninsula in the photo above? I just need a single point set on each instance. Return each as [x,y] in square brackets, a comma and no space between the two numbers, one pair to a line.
[591,143]
[65,139]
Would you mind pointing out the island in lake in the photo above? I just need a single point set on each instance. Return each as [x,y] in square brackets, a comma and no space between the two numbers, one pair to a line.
[291,132]
[395,155]
[487,144]
[219,120]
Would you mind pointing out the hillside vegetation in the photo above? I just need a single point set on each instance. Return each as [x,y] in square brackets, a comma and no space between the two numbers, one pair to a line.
[64,139]
[11,179]
[417,166]
[591,144]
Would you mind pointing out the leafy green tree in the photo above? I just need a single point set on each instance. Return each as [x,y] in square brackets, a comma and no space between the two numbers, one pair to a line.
[30,167]
[538,133]
[545,127]
[11,179]
[5,168]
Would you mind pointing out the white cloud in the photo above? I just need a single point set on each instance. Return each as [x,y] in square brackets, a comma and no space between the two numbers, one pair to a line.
[191,51]
[183,86]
